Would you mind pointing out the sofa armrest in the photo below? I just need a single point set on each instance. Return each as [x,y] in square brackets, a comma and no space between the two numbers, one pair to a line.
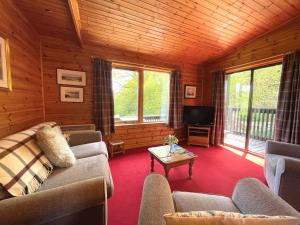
[156,201]
[83,137]
[290,167]
[282,148]
[253,197]
[287,181]
[45,206]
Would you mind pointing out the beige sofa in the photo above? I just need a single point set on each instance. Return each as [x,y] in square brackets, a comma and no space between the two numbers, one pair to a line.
[249,197]
[75,195]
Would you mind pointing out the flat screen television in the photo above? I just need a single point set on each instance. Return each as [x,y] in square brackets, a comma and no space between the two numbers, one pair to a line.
[198,115]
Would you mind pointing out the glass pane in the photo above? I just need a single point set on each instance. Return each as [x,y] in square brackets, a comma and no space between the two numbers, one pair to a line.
[125,89]
[156,96]
[265,95]
[237,102]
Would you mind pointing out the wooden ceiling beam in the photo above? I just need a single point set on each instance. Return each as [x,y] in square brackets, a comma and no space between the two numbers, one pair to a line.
[74,10]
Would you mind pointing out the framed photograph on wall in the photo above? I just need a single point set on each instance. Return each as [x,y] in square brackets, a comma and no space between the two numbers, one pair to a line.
[190,91]
[5,73]
[71,77]
[71,94]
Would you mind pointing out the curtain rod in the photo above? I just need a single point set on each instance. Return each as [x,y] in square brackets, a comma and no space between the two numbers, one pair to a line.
[139,65]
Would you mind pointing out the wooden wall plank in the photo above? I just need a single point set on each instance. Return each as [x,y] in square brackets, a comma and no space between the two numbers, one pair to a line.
[22,107]
[65,54]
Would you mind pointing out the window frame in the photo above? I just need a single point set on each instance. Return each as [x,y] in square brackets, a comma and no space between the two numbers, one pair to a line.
[140,71]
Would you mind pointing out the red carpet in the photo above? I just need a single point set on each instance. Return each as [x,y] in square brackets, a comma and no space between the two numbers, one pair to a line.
[216,170]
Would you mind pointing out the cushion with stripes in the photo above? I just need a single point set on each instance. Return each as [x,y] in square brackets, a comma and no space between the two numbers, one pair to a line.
[23,165]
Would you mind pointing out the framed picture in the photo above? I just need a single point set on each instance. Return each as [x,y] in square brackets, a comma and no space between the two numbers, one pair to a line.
[71,77]
[71,94]
[5,73]
[190,91]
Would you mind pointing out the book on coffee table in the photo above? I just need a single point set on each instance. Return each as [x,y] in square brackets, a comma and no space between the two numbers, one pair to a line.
[163,152]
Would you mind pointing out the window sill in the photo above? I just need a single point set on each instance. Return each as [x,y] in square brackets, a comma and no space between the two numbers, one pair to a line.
[120,124]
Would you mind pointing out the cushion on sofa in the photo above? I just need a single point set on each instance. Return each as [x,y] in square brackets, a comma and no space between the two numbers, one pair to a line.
[85,168]
[55,146]
[41,125]
[188,201]
[23,165]
[226,218]
[91,149]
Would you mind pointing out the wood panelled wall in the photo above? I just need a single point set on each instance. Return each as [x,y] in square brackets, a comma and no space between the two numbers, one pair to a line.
[23,106]
[64,54]
[279,41]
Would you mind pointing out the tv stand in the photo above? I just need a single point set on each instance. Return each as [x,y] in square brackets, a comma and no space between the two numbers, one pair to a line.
[198,135]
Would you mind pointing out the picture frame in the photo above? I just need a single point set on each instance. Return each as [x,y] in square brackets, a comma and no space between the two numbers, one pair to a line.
[71,94]
[5,69]
[190,91]
[71,77]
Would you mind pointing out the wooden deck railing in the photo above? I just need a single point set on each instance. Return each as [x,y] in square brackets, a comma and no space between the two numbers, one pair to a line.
[262,124]
[154,118]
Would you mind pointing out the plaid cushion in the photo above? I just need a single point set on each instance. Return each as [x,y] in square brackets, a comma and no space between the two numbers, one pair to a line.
[23,165]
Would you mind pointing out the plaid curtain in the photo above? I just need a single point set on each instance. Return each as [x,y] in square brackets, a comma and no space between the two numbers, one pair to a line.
[103,96]
[176,101]
[288,108]
[217,136]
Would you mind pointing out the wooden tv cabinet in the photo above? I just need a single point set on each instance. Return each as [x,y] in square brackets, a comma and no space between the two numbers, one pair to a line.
[198,135]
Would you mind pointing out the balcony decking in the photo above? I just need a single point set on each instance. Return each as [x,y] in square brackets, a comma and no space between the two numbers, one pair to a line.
[262,128]
[255,146]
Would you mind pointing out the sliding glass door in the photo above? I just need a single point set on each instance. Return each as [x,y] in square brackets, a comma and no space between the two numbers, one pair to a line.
[236,113]
[251,101]
[264,103]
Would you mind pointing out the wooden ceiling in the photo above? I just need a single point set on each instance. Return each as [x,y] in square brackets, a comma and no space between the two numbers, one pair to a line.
[49,17]
[183,30]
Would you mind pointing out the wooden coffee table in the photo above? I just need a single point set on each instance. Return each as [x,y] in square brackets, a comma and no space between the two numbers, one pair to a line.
[170,160]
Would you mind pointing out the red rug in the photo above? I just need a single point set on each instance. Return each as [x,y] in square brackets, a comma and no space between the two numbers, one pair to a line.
[216,170]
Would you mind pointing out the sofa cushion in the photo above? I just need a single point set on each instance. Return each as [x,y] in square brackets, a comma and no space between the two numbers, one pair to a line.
[85,168]
[91,149]
[41,125]
[226,218]
[188,201]
[55,146]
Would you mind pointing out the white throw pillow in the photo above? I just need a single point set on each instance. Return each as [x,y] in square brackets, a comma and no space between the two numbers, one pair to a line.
[226,218]
[55,146]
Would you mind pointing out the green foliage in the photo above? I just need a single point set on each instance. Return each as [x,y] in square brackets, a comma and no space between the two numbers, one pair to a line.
[265,88]
[125,84]
[238,90]
[156,93]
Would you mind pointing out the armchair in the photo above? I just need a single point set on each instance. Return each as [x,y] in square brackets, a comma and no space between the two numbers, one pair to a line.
[282,171]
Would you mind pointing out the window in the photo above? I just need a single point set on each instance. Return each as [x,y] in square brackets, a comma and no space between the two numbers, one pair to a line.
[125,89]
[140,95]
[156,96]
